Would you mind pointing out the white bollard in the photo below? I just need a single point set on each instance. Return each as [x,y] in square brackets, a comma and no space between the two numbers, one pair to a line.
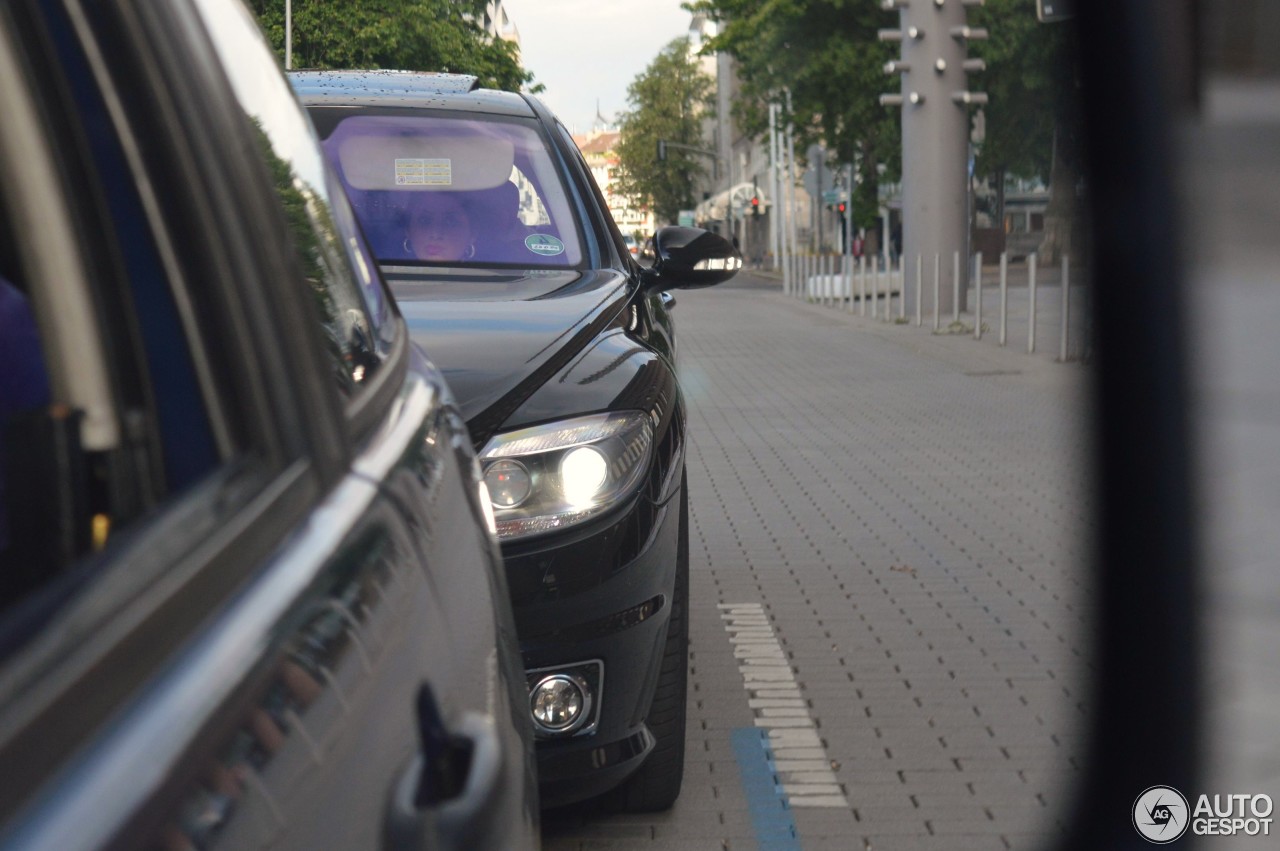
[862,285]
[1031,287]
[902,288]
[977,306]
[919,285]
[937,276]
[888,294]
[1004,297]
[875,286]
[1066,308]
[955,287]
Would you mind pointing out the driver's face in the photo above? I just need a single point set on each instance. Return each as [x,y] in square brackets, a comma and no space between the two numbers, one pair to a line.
[439,228]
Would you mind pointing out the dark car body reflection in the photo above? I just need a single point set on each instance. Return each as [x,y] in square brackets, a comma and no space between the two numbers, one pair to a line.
[250,593]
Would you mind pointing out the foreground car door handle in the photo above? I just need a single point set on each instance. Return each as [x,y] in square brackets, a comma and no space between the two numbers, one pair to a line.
[446,795]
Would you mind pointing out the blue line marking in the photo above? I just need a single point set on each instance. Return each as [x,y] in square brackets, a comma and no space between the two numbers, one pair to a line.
[770,814]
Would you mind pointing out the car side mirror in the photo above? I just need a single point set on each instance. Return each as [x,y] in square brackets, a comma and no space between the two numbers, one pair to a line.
[688,258]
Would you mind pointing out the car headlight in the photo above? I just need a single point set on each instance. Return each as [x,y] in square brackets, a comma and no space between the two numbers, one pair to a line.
[559,474]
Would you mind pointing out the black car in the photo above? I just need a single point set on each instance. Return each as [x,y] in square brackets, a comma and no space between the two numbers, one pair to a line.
[561,351]
[250,595]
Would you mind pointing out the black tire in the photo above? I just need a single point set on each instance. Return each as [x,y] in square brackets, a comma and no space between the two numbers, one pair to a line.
[656,785]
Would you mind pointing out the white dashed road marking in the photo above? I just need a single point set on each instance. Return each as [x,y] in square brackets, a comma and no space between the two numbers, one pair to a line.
[798,759]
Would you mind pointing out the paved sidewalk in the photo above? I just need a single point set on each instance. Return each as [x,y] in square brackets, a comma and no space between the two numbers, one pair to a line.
[901,514]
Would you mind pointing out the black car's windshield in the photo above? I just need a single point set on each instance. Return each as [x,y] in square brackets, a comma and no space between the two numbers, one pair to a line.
[448,190]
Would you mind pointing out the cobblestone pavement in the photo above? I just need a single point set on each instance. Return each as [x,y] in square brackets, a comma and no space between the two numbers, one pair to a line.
[887,619]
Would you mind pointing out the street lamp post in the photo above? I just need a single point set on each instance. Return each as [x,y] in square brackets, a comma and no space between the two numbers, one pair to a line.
[288,34]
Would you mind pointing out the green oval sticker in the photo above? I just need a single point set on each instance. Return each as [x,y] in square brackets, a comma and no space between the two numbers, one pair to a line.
[544,244]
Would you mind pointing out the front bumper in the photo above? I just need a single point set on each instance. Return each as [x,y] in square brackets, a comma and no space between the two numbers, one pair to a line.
[599,593]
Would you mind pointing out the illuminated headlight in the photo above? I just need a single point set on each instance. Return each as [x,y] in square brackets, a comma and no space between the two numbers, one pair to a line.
[559,474]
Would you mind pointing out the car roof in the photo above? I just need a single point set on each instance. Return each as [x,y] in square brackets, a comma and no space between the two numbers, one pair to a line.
[416,89]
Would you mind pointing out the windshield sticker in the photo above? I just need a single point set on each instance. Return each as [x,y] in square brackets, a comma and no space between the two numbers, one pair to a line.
[424,172]
[544,244]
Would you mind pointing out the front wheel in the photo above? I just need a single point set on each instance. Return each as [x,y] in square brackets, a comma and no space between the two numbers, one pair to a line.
[656,784]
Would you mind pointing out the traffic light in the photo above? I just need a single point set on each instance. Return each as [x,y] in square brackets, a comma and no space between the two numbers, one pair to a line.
[755,205]
[840,208]
[662,150]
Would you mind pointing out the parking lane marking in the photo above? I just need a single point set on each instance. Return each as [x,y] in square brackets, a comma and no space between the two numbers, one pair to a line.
[795,756]
[771,818]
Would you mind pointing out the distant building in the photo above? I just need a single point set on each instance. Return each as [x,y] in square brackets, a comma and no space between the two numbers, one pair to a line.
[498,25]
[599,149]
[741,170]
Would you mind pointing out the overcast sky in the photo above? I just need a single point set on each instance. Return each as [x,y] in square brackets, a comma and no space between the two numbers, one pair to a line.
[584,50]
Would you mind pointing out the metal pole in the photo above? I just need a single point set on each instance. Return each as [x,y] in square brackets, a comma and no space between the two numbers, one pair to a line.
[821,280]
[888,294]
[288,35]
[1066,307]
[848,210]
[955,288]
[775,209]
[846,279]
[875,287]
[826,280]
[1031,286]
[862,285]
[1004,297]
[791,177]
[977,316]
[937,274]
[833,265]
[902,287]
[919,283]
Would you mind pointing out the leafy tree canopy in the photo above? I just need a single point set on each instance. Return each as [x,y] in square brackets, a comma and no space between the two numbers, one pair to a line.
[1030,79]
[668,101]
[827,54]
[409,35]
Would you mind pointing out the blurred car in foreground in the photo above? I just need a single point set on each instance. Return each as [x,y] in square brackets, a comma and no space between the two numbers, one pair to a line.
[249,592]
[561,350]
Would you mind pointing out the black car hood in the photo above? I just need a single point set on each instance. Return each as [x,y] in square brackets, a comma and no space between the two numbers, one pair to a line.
[499,336]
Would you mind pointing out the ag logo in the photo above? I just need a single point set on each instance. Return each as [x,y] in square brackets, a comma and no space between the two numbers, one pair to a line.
[1161,814]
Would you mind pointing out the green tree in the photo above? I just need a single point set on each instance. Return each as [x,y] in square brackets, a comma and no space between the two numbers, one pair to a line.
[410,35]
[1032,121]
[668,101]
[827,54]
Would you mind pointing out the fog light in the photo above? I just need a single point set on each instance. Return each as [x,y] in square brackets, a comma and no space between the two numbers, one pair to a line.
[559,703]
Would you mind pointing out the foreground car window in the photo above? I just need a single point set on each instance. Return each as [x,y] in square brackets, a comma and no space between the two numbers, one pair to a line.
[446,190]
[358,325]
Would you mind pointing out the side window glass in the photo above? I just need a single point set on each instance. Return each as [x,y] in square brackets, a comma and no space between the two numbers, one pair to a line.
[105,422]
[24,390]
[355,312]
